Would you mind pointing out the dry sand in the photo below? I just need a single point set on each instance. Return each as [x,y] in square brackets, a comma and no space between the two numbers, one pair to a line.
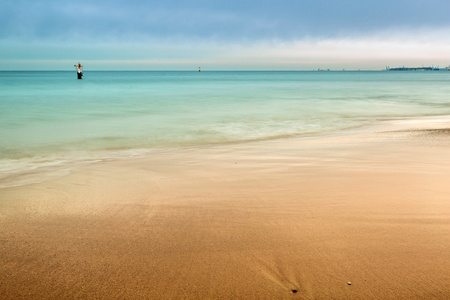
[290,218]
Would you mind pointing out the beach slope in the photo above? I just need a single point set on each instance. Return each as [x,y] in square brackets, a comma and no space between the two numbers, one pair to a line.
[357,215]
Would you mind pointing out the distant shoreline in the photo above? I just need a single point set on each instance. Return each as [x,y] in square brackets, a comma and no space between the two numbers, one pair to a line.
[262,71]
[418,69]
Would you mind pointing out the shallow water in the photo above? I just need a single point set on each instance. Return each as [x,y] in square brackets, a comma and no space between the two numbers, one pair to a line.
[50,119]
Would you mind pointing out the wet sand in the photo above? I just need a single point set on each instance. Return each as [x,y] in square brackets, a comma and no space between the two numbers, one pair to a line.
[357,215]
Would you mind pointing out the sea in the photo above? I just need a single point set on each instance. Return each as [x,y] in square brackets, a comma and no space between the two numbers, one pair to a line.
[50,121]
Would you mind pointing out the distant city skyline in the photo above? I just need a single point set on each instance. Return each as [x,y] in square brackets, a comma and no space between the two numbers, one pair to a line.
[225,35]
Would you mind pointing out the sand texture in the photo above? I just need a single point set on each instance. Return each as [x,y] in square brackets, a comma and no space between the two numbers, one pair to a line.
[360,215]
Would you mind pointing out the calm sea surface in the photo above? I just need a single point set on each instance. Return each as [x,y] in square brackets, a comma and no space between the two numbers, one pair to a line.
[49,119]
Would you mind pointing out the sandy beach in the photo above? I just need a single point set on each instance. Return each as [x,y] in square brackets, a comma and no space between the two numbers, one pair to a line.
[363,214]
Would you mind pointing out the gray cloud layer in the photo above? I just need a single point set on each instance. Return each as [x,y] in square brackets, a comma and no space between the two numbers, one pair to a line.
[298,34]
[224,20]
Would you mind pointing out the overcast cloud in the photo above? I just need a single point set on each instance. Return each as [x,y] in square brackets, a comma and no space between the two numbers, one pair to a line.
[231,34]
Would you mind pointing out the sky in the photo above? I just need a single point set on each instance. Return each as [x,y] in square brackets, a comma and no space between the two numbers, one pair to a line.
[223,35]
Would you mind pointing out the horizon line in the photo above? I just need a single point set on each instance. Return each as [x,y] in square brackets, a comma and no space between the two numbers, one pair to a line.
[207,70]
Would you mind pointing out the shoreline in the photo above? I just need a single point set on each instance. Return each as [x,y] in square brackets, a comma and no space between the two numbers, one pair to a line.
[65,165]
[247,220]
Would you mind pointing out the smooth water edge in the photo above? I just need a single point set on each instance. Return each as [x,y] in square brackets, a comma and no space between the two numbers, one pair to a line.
[50,120]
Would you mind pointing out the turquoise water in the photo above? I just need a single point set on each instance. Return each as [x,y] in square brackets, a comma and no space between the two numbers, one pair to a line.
[49,118]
